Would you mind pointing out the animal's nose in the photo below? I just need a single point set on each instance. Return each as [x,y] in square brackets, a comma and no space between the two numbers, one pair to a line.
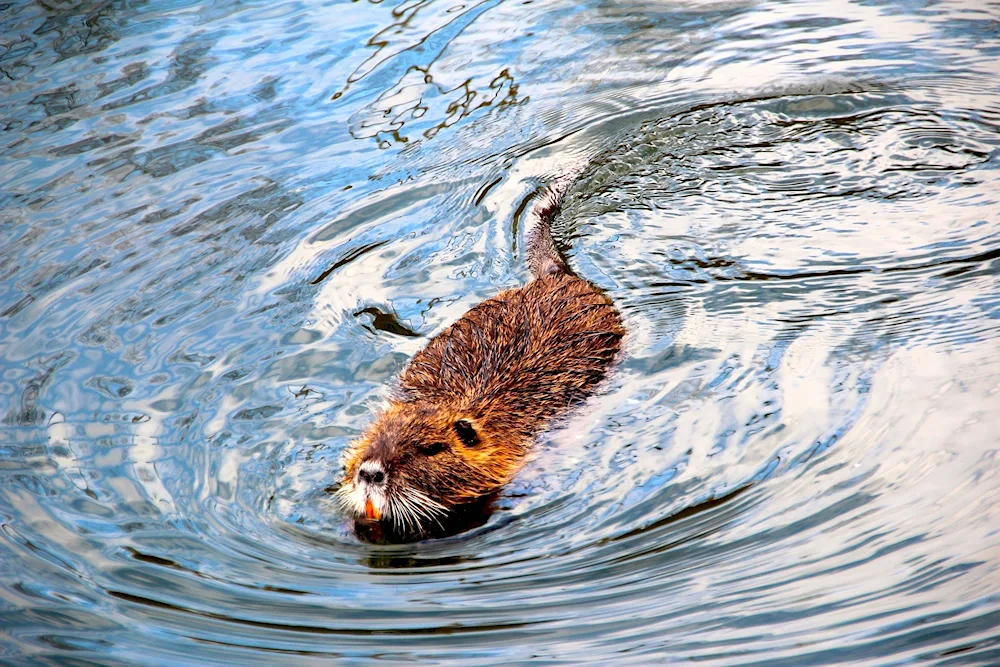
[371,475]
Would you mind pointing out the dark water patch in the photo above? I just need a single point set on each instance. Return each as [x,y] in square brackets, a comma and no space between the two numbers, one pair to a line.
[347,259]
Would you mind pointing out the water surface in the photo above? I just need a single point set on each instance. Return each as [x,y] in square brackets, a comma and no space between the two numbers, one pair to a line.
[225,227]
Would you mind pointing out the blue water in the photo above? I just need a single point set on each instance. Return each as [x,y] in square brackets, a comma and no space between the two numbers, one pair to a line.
[225,227]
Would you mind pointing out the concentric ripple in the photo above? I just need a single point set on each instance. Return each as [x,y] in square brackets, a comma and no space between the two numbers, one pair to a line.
[225,228]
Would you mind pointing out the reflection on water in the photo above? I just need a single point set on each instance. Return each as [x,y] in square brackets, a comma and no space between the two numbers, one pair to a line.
[225,227]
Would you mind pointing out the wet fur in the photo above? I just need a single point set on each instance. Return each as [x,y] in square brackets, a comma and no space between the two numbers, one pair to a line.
[469,406]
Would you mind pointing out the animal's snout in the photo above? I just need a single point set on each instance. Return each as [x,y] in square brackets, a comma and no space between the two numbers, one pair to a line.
[371,473]
[371,476]
[371,479]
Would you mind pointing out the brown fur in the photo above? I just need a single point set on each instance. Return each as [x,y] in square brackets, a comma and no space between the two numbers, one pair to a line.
[503,372]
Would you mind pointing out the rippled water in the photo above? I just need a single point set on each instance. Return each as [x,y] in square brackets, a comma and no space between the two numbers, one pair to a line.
[225,227]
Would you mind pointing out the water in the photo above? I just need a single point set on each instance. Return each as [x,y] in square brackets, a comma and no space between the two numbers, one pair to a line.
[225,227]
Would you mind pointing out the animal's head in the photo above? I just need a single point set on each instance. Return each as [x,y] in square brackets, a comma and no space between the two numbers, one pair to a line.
[418,463]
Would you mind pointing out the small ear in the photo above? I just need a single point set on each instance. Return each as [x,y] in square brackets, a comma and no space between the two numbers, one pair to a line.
[466,432]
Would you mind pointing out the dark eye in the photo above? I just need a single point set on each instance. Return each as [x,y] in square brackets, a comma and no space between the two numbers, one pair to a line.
[466,432]
[432,449]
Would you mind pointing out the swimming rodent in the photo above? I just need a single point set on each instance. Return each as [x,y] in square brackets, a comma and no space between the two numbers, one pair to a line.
[469,405]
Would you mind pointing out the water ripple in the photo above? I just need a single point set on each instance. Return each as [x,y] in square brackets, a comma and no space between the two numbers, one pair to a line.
[225,228]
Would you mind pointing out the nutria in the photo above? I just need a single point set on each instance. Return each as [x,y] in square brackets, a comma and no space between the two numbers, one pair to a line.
[469,405]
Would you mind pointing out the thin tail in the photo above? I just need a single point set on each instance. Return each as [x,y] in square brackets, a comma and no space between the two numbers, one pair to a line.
[544,258]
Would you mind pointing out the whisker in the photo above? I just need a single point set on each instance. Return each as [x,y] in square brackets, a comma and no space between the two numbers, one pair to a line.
[413,519]
[343,495]
[425,507]
[405,514]
[402,518]
[432,506]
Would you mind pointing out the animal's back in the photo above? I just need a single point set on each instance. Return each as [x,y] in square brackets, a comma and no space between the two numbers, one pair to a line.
[522,357]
